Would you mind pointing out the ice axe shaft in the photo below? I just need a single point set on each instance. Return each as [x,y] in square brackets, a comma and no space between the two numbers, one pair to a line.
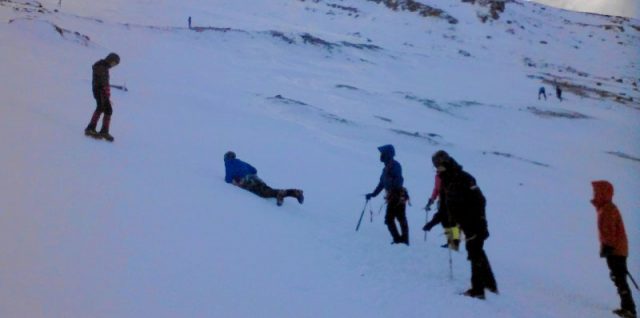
[361,215]
[633,280]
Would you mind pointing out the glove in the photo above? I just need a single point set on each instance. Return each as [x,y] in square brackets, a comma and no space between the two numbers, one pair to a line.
[427,227]
[368,196]
[606,250]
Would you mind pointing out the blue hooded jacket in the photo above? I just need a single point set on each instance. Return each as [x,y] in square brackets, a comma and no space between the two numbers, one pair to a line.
[236,169]
[391,178]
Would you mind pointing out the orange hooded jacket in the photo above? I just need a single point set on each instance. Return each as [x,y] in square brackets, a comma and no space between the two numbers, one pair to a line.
[610,226]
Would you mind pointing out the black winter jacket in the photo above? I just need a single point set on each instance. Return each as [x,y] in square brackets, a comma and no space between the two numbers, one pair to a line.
[464,201]
[101,74]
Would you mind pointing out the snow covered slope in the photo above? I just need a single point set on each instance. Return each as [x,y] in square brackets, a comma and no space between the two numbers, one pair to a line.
[306,91]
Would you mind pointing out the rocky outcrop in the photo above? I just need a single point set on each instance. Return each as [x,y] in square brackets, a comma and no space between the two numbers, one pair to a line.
[420,8]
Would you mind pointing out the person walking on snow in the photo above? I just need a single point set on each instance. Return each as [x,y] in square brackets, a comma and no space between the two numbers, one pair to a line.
[465,206]
[451,230]
[613,244]
[102,94]
[396,195]
[542,92]
[189,20]
[245,176]
[558,92]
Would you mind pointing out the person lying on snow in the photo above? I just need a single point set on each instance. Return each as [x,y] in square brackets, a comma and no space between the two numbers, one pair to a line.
[244,175]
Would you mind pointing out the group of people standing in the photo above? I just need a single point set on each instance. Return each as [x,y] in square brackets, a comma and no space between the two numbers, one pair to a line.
[543,92]
[461,204]
[462,207]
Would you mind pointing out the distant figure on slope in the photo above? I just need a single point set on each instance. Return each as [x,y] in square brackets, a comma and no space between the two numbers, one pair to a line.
[558,92]
[243,175]
[451,230]
[542,92]
[613,244]
[465,206]
[189,22]
[396,195]
[102,94]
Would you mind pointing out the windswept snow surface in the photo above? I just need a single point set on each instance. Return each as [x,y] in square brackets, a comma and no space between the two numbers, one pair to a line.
[147,227]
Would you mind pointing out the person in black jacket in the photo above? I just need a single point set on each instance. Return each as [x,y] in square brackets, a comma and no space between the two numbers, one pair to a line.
[102,94]
[391,180]
[465,205]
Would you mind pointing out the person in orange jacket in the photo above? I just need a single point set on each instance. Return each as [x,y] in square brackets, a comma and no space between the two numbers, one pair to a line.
[613,244]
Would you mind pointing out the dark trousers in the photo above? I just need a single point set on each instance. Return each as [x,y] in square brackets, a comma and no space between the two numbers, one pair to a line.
[481,273]
[543,94]
[103,105]
[258,187]
[396,211]
[618,273]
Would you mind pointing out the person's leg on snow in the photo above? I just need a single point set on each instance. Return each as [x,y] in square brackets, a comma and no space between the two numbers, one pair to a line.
[100,108]
[396,211]
[618,273]
[106,121]
[481,274]
[489,280]
[401,216]
[103,105]
[389,220]
[256,186]
[91,128]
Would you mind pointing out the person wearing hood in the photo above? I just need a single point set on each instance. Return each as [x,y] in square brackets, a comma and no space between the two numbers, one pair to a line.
[465,206]
[102,94]
[245,176]
[613,244]
[451,230]
[396,195]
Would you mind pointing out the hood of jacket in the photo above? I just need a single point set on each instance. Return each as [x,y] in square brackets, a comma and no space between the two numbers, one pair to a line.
[602,192]
[387,152]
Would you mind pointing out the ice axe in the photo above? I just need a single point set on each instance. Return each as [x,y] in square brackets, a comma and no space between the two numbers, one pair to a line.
[427,209]
[633,280]
[362,214]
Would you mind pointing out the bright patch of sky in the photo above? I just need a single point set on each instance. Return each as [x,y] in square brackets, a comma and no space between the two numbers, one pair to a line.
[624,8]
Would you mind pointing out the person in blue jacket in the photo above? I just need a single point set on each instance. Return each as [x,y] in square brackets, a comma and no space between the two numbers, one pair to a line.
[542,92]
[396,195]
[244,175]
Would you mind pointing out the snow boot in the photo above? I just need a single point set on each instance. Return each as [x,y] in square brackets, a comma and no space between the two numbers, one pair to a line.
[91,132]
[105,134]
[299,195]
[474,293]
[625,313]
[280,197]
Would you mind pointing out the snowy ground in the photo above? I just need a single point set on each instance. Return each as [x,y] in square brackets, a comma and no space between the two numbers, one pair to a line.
[147,227]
